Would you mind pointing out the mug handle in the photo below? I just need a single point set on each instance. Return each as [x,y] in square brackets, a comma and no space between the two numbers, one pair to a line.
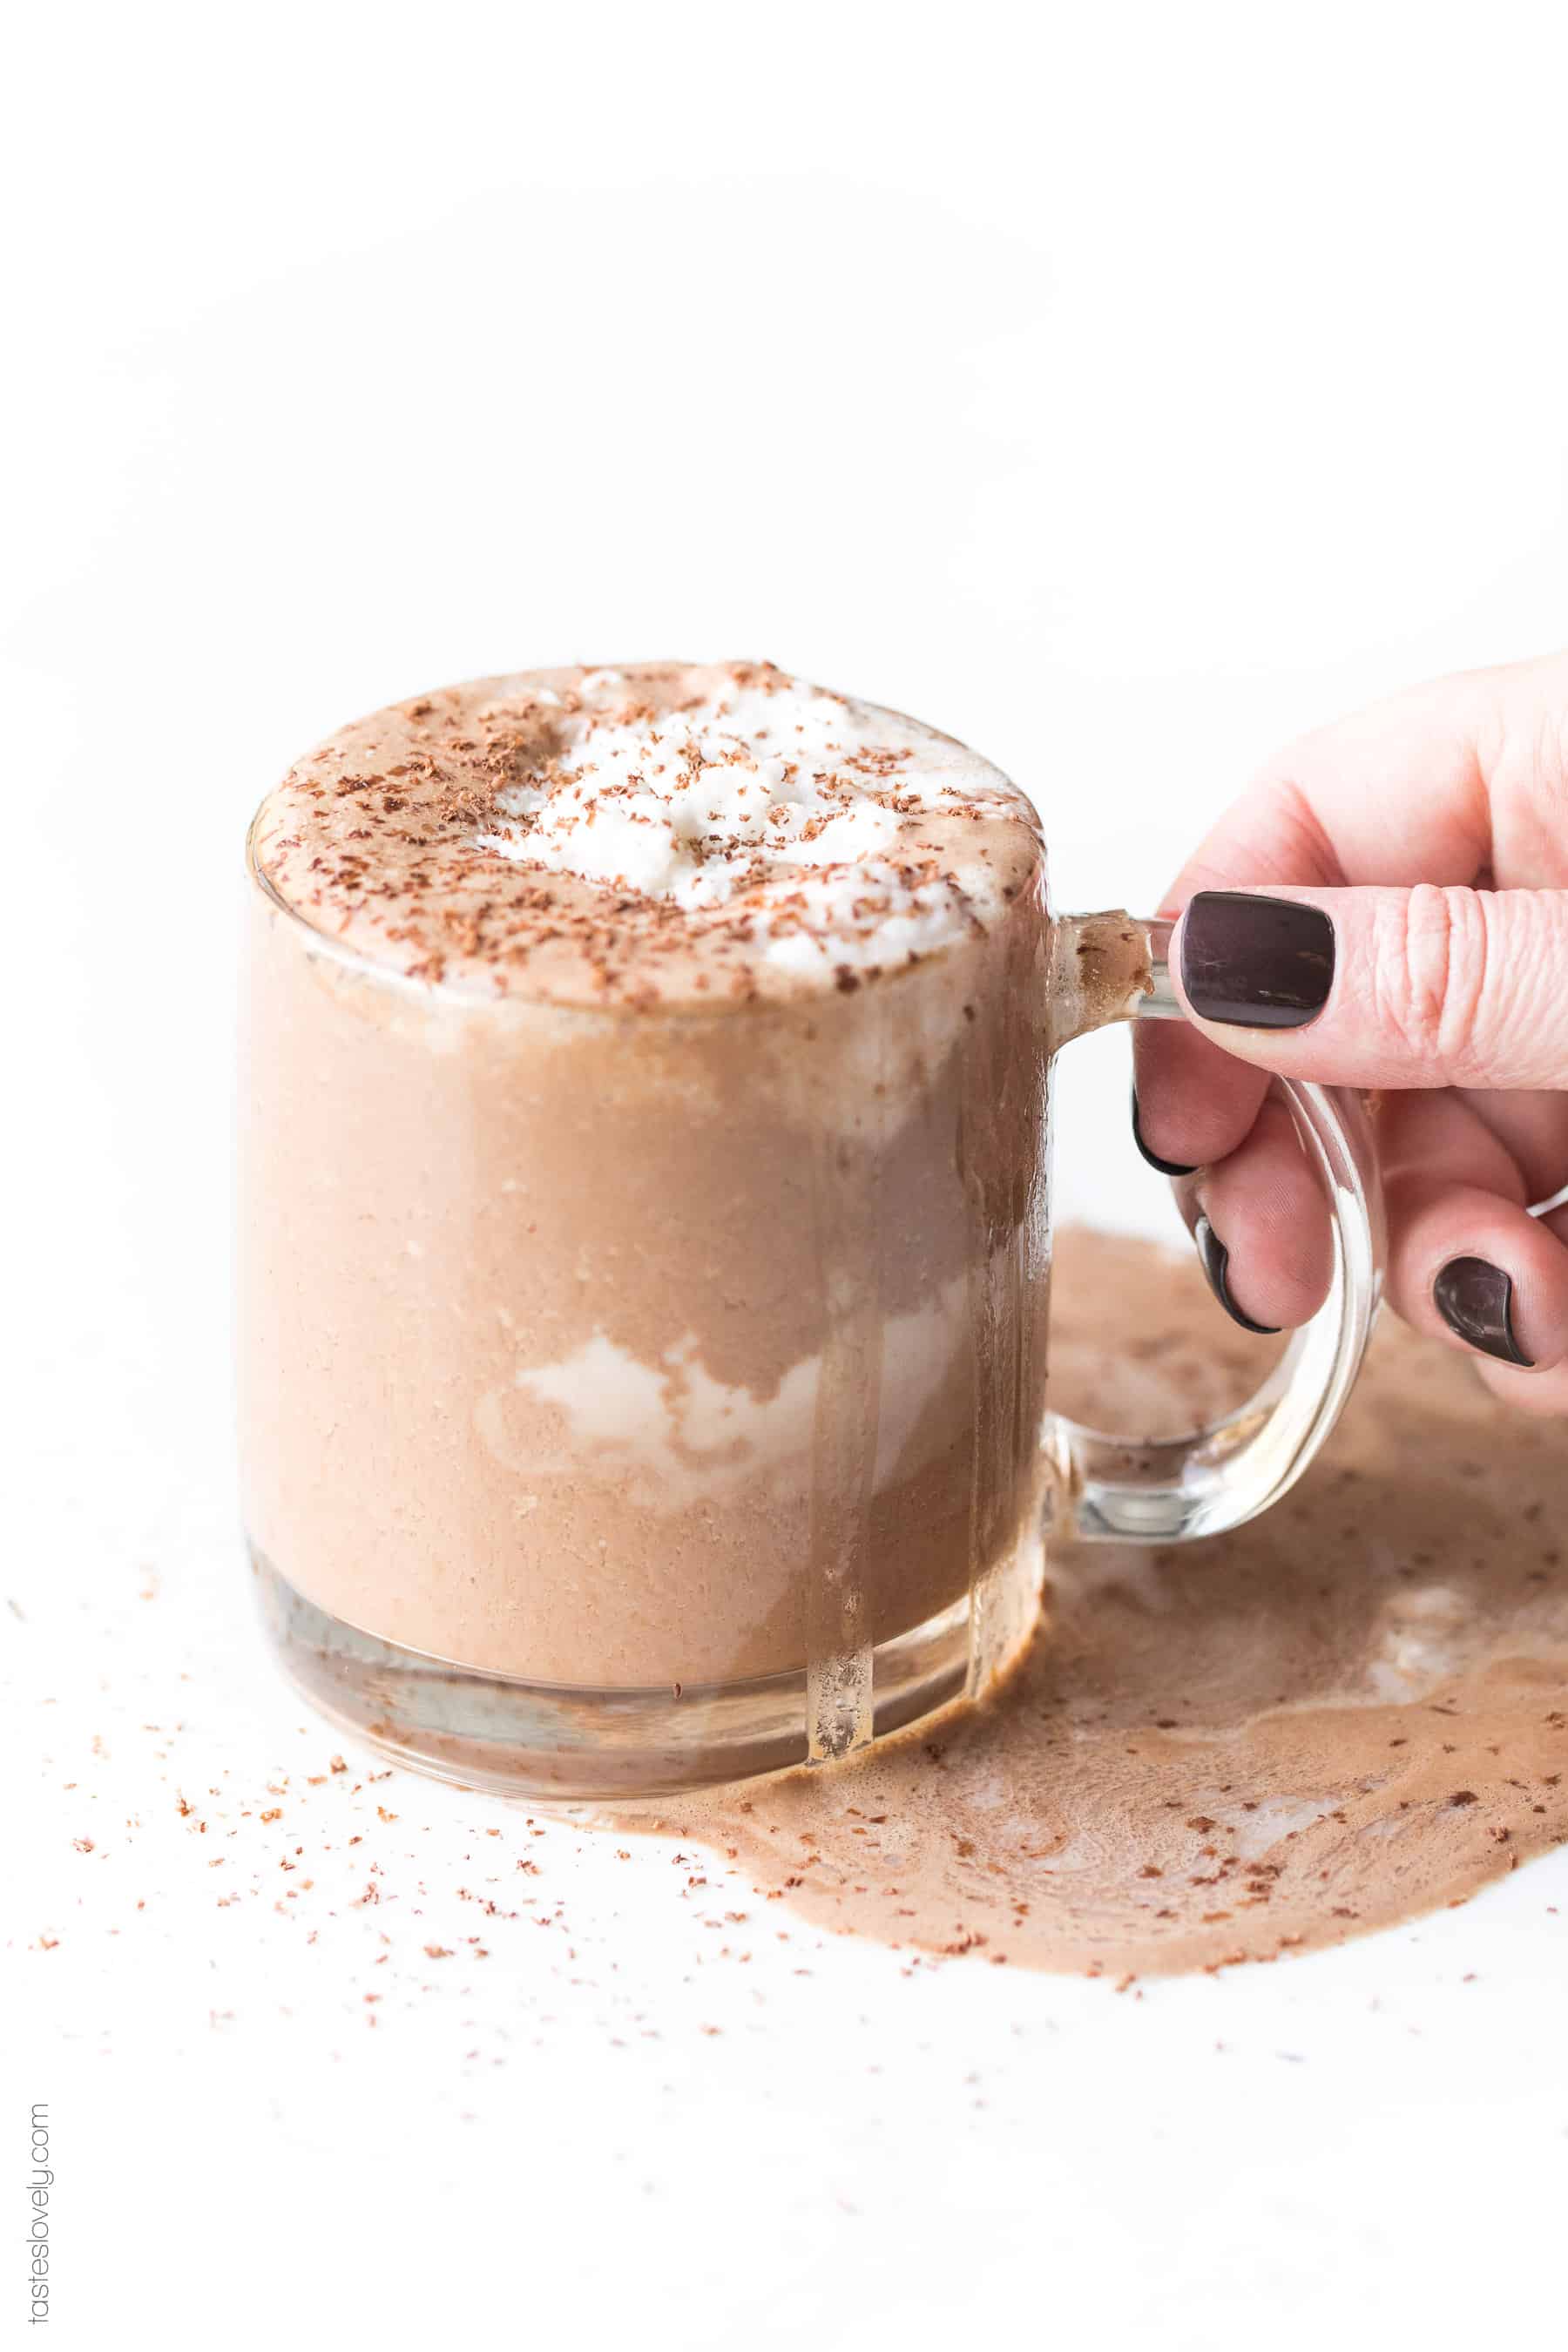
[1168,1490]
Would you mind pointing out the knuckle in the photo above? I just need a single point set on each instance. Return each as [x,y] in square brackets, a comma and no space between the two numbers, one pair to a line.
[1523,750]
[1272,834]
[1432,971]
[1552,754]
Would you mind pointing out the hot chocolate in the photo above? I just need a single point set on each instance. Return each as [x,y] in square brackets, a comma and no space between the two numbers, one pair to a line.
[643,1242]
[644,1232]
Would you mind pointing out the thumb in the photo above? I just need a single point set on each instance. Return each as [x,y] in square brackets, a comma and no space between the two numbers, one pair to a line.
[1375,987]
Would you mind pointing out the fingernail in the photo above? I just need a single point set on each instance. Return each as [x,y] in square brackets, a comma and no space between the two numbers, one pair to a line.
[1256,962]
[1475,1299]
[1215,1259]
[1164,1167]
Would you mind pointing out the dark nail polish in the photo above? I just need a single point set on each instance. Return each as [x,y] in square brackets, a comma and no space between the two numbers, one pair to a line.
[1256,962]
[1161,1166]
[1475,1299]
[1215,1259]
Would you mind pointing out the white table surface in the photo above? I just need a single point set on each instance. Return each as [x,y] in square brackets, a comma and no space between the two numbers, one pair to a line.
[1120,413]
[273,2111]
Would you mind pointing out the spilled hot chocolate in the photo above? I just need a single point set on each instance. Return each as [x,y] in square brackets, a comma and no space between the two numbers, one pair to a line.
[1349,1711]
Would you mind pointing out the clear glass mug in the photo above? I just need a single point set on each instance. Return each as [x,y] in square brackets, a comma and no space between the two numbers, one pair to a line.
[632,1399]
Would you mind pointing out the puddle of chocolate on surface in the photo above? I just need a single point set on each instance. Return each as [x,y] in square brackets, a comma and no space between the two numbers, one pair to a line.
[1352,1710]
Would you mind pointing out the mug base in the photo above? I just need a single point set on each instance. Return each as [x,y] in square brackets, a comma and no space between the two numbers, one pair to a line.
[567,1742]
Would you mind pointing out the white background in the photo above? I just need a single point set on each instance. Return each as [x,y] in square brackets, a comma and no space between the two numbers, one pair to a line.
[1123,389]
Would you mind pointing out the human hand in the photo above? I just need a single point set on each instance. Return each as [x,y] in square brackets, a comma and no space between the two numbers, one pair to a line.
[1387,907]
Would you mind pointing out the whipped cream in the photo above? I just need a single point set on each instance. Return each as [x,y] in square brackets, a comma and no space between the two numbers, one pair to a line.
[778,798]
[666,832]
